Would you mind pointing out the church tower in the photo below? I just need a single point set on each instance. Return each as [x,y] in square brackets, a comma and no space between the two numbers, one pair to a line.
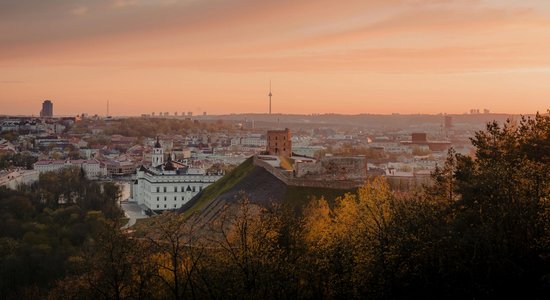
[157,158]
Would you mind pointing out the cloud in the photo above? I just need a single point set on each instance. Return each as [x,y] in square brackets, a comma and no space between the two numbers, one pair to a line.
[11,81]
[302,35]
[79,11]
[125,3]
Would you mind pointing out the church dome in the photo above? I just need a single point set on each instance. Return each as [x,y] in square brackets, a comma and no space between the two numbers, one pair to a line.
[169,165]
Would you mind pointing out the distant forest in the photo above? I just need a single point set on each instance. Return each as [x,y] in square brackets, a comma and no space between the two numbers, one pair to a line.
[482,231]
[152,127]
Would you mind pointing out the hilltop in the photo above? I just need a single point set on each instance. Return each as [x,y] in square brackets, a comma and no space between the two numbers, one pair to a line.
[259,185]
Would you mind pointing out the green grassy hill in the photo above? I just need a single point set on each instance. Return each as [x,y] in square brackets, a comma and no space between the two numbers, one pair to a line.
[221,186]
[260,186]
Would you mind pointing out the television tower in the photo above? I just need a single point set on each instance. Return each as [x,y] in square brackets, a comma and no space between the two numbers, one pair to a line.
[270,94]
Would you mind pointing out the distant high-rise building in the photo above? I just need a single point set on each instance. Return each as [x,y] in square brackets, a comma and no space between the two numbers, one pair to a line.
[47,109]
[486,111]
[190,113]
[204,113]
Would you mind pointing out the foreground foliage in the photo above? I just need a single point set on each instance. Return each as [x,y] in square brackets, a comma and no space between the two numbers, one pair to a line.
[44,227]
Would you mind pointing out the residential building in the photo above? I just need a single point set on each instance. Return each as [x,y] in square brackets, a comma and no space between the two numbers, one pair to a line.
[120,168]
[92,167]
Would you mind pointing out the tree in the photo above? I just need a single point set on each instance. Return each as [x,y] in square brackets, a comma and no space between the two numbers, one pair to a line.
[177,254]
[499,212]
[351,242]
[250,260]
[113,266]
[444,178]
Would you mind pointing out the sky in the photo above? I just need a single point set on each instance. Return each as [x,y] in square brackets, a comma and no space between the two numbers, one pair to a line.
[322,56]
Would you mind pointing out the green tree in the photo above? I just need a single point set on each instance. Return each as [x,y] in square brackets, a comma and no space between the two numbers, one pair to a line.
[499,216]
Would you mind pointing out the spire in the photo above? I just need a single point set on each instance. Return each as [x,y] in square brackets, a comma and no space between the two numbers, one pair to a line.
[169,165]
[157,144]
[270,94]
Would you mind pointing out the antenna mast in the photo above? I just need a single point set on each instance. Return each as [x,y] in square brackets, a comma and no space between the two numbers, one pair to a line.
[270,94]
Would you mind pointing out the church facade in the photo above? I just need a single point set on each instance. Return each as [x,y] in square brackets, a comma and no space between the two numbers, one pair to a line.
[167,185]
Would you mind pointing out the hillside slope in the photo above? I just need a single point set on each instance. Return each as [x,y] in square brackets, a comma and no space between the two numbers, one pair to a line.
[261,188]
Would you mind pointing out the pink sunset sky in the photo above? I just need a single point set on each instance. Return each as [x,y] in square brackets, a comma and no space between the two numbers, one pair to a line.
[218,56]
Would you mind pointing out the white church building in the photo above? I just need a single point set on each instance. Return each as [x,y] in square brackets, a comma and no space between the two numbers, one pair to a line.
[167,185]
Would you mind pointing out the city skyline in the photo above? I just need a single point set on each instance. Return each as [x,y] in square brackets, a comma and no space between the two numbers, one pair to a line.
[380,57]
[47,111]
